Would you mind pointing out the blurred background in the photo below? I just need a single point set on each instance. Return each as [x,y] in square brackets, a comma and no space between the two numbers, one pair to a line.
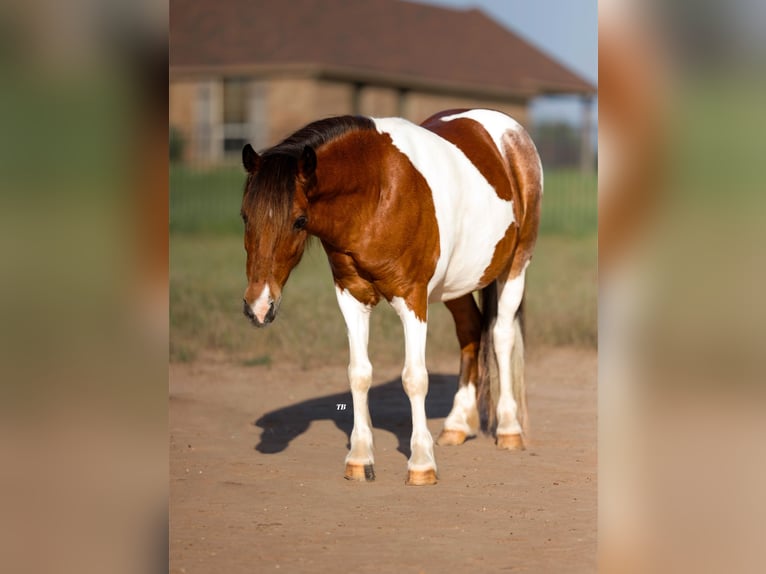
[256,71]
[84,289]
[681,273]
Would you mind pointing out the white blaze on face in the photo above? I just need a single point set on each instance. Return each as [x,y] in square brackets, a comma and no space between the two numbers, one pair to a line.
[261,305]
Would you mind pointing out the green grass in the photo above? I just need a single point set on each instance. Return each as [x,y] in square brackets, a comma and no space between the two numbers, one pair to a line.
[208,281]
[569,203]
[208,201]
[205,200]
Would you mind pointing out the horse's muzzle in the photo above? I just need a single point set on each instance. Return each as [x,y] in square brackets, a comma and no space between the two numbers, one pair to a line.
[270,314]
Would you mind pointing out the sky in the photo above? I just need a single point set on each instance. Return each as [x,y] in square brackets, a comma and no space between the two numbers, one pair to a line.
[564,29]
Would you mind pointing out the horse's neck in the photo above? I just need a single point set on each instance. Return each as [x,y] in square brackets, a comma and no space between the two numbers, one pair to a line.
[343,202]
[338,218]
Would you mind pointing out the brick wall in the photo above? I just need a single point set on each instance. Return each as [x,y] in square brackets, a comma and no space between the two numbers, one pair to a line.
[181,99]
[379,102]
[281,105]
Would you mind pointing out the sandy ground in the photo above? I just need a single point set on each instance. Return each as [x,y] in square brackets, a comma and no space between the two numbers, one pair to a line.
[256,475]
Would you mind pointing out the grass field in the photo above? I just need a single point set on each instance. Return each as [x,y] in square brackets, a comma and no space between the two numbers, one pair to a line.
[208,201]
[208,279]
[205,201]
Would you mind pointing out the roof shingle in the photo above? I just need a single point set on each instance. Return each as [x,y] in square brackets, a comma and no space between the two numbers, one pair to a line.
[386,41]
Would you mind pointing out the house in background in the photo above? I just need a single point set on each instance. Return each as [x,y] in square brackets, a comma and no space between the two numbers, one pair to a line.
[257,70]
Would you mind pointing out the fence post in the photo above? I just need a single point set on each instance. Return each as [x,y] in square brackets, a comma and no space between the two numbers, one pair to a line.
[586,146]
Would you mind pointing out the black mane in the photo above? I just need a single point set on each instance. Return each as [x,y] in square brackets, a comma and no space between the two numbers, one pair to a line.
[272,188]
[318,133]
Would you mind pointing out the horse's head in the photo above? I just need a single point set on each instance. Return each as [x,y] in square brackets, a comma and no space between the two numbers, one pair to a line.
[274,210]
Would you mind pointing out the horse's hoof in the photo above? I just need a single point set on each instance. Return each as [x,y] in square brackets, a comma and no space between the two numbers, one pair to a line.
[451,438]
[510,442]
[421,477]
[361,472]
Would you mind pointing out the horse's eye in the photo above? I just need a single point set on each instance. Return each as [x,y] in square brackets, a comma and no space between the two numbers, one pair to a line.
[300,223]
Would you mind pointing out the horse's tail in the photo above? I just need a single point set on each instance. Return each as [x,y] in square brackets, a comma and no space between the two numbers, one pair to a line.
[489,383]
[518,381]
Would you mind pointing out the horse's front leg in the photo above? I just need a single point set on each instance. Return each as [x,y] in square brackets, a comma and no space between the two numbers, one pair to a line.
[421,466]
[359,461]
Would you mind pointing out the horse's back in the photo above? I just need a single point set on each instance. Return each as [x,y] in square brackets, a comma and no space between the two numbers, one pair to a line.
[480,167]
[470,130]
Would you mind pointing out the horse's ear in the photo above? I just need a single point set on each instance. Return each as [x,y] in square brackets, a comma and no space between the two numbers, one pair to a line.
[308,163]
[250,159]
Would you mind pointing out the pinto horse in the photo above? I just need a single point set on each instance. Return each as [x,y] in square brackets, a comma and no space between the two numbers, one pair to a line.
[413,214]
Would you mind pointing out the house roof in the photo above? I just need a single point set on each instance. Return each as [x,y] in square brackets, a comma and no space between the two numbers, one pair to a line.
[386,42]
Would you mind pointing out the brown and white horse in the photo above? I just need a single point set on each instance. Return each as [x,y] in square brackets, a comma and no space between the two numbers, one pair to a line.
[411,214]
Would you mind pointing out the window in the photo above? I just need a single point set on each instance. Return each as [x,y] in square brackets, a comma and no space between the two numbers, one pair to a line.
[235,115]
[234,101]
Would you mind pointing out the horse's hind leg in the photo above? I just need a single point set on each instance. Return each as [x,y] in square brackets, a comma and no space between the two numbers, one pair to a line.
[505,336]
[359,461]
[463,420]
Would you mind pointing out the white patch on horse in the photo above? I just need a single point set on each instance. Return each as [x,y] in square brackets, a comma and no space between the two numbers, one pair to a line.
[261,305]
[471,217]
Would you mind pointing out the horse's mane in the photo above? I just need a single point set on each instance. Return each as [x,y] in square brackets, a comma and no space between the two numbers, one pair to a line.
[269,194]
[318,133]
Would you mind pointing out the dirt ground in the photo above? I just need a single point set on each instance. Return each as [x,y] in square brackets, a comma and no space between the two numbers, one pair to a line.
[256,475]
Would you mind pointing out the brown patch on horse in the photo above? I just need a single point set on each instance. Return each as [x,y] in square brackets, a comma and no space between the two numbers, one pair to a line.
[380,242]
[524,163]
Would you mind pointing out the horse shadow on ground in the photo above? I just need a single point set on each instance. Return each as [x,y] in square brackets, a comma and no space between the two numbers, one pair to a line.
[389,410]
